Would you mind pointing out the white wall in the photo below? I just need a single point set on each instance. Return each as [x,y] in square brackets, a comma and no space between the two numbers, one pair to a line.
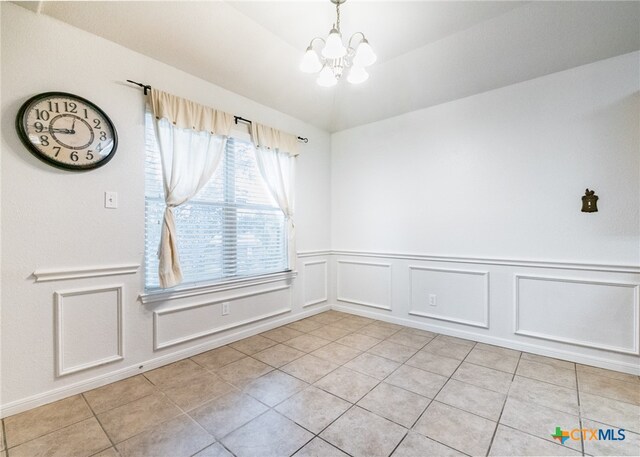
[425,203]
[55,220]
[500,174]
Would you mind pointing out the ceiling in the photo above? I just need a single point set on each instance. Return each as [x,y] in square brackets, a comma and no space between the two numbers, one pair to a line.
[428,52]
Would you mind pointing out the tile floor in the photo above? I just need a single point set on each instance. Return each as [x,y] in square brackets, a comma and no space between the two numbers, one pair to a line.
[333,385]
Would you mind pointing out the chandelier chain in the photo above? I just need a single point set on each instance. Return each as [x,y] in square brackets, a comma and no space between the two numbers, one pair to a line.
[338,16]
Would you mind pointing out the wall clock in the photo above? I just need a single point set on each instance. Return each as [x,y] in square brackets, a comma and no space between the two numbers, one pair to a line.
[66,131]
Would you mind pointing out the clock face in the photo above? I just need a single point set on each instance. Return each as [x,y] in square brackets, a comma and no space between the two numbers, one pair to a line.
[67,131]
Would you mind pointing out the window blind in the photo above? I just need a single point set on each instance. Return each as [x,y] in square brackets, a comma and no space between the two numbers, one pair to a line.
[231,228]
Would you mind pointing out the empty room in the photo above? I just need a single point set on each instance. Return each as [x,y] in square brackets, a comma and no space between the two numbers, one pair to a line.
[320,228]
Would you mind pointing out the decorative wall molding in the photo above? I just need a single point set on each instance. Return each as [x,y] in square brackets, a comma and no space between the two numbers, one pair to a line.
[59,296]
[86,272]
[483,324]
[342,298]
[634,269]
[194,291]
[303,254]
[635,350]
[157,344]
[305,277]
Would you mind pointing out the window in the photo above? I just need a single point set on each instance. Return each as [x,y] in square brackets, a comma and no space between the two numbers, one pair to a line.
[232,228]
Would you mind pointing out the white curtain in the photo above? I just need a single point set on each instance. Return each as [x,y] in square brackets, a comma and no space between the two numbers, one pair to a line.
[275,154]
[191,139]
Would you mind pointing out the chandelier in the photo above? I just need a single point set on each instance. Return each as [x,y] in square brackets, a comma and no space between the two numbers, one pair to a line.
[334,57]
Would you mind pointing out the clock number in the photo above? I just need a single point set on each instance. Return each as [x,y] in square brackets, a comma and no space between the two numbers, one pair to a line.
[44,141]
[89,155]
[86,115]
[70,107]
[54,107]
[42,114]
[103,136]
[96,123]
[57,149]
[74,156]
[39,127]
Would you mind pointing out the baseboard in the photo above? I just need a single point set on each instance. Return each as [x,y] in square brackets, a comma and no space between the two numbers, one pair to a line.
[497,341]
[57,394]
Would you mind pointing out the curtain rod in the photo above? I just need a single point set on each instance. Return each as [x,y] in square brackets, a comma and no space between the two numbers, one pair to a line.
[147,88]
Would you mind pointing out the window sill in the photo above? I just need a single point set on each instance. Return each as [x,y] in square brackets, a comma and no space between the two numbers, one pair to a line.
[193,291]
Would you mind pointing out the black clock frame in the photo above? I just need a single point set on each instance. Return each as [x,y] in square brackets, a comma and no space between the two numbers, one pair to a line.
[24,137]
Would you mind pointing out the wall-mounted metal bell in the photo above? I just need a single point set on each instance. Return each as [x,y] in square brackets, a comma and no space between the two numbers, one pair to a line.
[589,202]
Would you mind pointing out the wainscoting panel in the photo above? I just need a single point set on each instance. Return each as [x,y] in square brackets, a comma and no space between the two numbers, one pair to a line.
[186,323]
[364,283]
[584,312]
[315,282]
[461,296]
[88,328]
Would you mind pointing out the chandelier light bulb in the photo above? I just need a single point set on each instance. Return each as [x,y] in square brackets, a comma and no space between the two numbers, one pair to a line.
[364,54]
[310,62]
[357,75]
[326,78]
[333,48]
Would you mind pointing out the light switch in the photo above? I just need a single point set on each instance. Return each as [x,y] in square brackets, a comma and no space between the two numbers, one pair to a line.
[111,200]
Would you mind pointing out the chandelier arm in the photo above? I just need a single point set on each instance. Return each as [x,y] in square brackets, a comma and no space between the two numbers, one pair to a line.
[316,38]
[354,35]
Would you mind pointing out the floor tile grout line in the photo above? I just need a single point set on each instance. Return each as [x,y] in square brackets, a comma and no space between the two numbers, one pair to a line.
[110,447]
[5,446]
[98,421]
[588,373]
[239,426]
[399,442]
[156,390]
[579,409]
[538,437]
[149,428]
[543,406]
[506,398]
[307,442]
[332,445]
[537,404]
[4,436]
[549,364]
[48,433]
[637,405]
[434,400]
[146,429]
[547,382]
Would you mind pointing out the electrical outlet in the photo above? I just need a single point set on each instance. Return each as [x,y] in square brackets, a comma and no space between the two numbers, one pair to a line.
[225,308]
[433,300]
